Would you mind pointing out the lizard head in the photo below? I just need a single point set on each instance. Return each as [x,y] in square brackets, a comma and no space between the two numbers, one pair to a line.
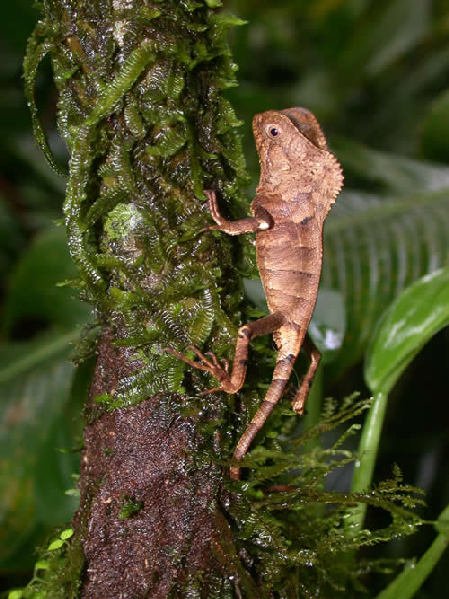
[292,150]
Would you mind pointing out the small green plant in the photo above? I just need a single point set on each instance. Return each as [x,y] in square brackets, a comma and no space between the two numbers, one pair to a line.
[129,507]
[52,571]
[62,540]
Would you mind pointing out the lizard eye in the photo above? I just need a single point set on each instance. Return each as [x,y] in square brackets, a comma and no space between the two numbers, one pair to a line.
[272,131]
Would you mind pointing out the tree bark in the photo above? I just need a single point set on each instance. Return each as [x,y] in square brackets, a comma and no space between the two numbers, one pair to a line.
[145,458]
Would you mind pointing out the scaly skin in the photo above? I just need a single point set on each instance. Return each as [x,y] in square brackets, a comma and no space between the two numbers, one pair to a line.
[299,181]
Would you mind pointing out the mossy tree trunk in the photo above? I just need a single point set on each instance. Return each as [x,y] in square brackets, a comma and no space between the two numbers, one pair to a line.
[141,110]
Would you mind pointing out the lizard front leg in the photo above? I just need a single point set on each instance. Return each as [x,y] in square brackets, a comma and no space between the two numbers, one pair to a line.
[261,221]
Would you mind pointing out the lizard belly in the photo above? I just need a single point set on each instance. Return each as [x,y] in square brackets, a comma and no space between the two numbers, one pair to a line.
[289,260]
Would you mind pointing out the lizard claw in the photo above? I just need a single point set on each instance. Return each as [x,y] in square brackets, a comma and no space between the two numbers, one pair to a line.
[225,366]
[213,366]
[299,402]
[214,209]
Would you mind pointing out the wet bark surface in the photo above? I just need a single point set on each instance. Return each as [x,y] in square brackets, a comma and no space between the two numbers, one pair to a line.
[142,456]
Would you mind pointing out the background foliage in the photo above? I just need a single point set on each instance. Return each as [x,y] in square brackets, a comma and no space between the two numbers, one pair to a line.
[375,73]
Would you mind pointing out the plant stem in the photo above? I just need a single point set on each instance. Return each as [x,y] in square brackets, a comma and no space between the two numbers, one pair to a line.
[368,449]
[408,582]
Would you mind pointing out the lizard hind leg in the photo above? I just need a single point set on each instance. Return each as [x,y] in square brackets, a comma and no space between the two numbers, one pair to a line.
[291,344]
[300,399]
[232,382]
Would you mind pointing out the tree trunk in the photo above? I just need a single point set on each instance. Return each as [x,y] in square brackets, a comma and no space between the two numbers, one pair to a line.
[141,110]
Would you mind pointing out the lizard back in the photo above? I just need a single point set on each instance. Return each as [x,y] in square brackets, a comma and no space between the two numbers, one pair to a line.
[289,257]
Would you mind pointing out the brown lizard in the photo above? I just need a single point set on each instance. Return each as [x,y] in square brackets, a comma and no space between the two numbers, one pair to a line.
[299,181]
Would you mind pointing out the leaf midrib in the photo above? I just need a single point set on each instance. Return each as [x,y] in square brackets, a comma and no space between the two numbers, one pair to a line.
[33,358]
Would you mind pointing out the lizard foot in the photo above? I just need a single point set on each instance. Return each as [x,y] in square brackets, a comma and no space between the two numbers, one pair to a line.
[214,209]
[212,365]
[299,402]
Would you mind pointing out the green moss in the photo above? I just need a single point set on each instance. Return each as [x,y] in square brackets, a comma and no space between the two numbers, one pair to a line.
[121,222]
[295,531]
[145,140]
[129,507]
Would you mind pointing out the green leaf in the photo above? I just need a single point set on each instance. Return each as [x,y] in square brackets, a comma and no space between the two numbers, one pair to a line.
[35,382]
[374,247]
[393,173]
[417,314]
[33,291]
[56,544]
[67,533]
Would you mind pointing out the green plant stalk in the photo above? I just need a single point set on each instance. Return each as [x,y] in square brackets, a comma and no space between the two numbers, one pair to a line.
[410,580]
[314,407]
[368,449]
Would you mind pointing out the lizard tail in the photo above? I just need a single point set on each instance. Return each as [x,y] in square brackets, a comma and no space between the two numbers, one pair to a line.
[281,376]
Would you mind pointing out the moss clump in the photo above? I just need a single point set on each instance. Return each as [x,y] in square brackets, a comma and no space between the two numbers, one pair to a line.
[295,532]
[142,113]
